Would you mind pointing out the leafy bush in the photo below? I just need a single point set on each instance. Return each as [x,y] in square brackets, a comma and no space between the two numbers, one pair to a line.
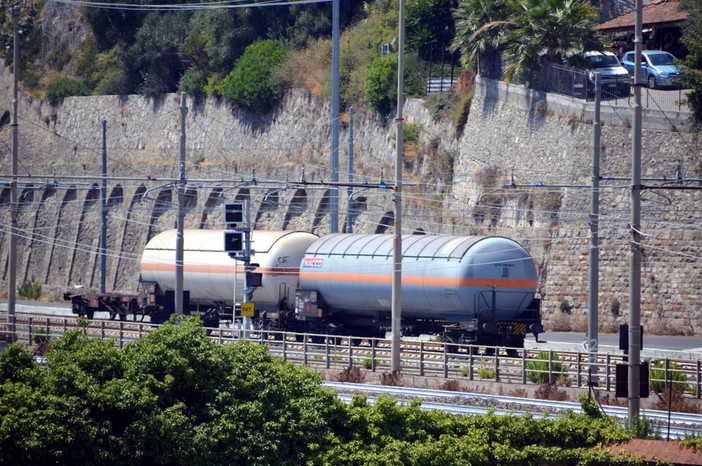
[369,363]
[589,406]
[486,373]
[115,83]
[381,83]
[538,368]
[193,83]
[658,377]
[249,85]
[61,86]
[30,290]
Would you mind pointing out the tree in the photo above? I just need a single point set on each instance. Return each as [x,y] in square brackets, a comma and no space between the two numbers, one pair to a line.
[174,397]
[530,33]
[249,85]
[692,37]
[480,34]
[381,83]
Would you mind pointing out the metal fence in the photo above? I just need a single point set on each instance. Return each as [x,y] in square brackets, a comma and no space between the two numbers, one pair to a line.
[421,358]
[577,84]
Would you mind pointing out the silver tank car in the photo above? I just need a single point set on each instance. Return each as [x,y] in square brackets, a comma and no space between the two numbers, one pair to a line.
[209,273]
[455,278]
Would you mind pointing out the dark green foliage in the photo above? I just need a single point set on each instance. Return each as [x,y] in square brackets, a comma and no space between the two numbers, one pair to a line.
[429,23]
[61,87]
[590,406]
[249,85]
[381,83]
[692,37]
[30,289]
[176,397]
[193,83]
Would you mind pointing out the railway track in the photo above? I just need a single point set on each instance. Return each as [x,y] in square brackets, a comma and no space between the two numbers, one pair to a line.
[419,357]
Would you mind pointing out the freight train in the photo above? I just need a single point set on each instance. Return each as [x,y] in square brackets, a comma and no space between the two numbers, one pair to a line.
[468,289]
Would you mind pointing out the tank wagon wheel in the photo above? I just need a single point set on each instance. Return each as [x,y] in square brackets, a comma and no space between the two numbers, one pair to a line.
[356,341]
[299,337]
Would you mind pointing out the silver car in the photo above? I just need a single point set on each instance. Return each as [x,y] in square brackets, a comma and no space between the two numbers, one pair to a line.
[658,68]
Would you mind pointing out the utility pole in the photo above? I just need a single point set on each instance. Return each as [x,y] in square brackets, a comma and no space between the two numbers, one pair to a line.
[349,213]
[396,303]
[14,207]
[634,375]
[334,204]
[103,216]
[594,269]
[179,305]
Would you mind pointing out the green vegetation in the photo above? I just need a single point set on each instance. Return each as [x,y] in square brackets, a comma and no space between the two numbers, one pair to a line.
[527,34]
[30,290]
[539,368]
[692,37]
[658,378]
[61,87]
[176,397]
[486,373]
[249,84]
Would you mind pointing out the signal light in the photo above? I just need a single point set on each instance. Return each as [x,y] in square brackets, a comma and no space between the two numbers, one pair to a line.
[234,242]
[233,214]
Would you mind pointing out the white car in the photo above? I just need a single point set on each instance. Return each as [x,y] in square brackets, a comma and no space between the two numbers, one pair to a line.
[658,68]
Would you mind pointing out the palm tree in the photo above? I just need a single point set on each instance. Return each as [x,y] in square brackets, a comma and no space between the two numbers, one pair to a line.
[543,32]
[480,34]
[529,33]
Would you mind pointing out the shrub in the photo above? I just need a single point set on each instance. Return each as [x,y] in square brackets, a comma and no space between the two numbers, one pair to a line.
[249,85]
[391,378]
[589,406]
[193,83]
[486,373]
[381,83]
[369,363]
[538,368]
[658,377]
[461,111]
[30,290]
[351,374]
[451,386]
[115,83]
[61,86]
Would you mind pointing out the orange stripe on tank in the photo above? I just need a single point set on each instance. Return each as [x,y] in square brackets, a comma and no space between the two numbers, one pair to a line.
[418,280]
[217,269]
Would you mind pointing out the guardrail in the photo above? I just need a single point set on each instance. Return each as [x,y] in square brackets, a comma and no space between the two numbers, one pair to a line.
[419,357]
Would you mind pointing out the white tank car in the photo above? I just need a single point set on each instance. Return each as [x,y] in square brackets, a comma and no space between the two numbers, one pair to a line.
[455,278]
[209,273]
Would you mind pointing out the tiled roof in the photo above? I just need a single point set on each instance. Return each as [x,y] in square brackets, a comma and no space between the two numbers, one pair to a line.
[656,13]
[659,450]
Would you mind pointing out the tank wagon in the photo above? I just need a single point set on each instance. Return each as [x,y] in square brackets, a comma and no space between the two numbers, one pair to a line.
[469,289]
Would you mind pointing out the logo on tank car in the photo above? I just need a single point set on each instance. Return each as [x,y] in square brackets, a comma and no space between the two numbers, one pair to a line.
[313,263]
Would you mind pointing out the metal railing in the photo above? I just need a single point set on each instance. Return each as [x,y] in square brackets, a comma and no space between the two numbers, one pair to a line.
[419,357]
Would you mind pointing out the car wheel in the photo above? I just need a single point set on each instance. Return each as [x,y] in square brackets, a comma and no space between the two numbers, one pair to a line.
[651,82]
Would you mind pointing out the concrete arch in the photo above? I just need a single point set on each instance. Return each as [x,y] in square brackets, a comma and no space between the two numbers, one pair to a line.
[296,207]
[87,240]
[386,222]
[163,203]
[37,249]
[128,242]
[214,199]
[61,239]
[322,211]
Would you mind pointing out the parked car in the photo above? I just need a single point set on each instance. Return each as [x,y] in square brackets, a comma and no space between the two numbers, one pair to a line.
[658,68]
[614,79]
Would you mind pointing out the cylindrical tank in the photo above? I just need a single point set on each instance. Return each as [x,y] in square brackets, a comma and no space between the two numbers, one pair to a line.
[209,273]
[443,277]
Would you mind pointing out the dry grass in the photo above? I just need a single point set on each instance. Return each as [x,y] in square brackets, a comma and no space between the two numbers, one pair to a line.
[307,67]
[452,386]
[392,379]
[547,391]
[351,374]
